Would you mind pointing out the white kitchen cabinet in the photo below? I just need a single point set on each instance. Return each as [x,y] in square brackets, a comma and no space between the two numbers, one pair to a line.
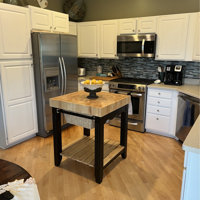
[191,176]
[127,26]
[196,50]
[47,20]
[14,32]
[18,100]
[161,111]
[108,39]
[172,33]
[146,25]
[72,28]
[137,25]
[88,39]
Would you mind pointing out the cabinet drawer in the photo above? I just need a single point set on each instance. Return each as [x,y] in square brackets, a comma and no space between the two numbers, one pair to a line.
[158,110]
[159,102]
[160,93]
[158,123]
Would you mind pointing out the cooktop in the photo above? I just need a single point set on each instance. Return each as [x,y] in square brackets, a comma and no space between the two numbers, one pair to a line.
[133,81]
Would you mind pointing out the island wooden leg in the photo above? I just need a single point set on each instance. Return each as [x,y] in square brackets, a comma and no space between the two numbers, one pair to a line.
[57,136]
[123,131]
[99,146]
[86,132]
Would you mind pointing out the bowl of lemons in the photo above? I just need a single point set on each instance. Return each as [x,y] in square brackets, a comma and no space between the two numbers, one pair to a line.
[92,86]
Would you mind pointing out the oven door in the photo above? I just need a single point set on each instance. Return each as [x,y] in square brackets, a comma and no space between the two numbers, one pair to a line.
[136,106]
[137,103]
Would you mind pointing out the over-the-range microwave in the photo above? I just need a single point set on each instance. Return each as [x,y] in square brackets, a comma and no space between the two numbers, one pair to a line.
[136,45]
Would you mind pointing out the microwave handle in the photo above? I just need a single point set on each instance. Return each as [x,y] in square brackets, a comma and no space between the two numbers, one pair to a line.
[143,42]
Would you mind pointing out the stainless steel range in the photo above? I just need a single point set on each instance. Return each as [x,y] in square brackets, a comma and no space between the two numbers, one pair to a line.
[137,89]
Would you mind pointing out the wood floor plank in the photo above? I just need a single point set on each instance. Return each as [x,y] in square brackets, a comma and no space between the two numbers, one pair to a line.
[152,170]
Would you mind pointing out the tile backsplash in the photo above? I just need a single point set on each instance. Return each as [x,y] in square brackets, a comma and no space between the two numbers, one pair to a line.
[138,67]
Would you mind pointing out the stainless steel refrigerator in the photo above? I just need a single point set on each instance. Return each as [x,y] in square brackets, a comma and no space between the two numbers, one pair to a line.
[56,73]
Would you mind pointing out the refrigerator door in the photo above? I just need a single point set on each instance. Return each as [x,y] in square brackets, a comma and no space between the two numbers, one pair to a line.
[48,77]
[69,61]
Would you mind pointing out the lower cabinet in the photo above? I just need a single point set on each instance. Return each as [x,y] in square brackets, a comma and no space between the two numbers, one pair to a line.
[191,176]
[17,101]
[161,111]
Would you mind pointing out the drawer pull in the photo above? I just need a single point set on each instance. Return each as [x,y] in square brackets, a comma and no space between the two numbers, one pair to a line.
[158,110]
[158,93]
[158,102]
[157,118]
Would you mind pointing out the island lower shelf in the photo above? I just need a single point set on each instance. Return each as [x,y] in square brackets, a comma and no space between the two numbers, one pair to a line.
[82,150]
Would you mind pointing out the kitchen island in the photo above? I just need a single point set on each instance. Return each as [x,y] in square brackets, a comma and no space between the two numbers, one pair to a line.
[90,114]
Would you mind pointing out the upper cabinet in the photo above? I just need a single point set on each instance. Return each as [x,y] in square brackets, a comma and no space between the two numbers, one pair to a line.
[14,32]
[196,50]
[146,25]
[97,39]
[172,34]
[108,39]
[72,28]
[137,25]
[42,19]
[88,39]
[127,26]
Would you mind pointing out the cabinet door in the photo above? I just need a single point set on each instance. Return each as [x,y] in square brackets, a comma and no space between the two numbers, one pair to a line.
[14,32]
[72,28]
[108,39]
[19,99]
[196,52]
[127,26]
[88,39]
[172,36]
[60,22]
[40,19]
[146,25]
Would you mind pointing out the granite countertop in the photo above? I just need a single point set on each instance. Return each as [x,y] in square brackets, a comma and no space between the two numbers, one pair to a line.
[192,90]
[78,102]
[192,141]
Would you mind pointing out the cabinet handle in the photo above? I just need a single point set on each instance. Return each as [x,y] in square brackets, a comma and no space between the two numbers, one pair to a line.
[50,27]
[157,118]
[158,111]
[54,28]
[158,101]
[139,30]
[158,93]
[96,55]
[156,56]
[133,30]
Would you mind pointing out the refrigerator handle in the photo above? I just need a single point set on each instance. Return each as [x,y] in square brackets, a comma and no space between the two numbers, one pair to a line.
[62,78]
[65,75]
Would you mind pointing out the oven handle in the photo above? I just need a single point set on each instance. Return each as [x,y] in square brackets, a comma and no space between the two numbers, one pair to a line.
[136,94]
[143,42]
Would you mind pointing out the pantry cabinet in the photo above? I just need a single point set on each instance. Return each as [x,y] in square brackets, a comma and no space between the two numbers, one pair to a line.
[14,32]
[88,39]
[43,19]
[18,100]
[196,50]
[161,111]
[108,39]
[172,34]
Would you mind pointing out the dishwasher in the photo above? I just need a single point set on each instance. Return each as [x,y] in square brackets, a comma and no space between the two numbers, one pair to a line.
[188,112]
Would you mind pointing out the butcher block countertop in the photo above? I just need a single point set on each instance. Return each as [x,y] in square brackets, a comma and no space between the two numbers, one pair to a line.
[78,102]
[192,90]
[192,141]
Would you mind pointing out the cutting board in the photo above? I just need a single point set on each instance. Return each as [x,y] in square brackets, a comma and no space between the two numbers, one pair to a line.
[104,78]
